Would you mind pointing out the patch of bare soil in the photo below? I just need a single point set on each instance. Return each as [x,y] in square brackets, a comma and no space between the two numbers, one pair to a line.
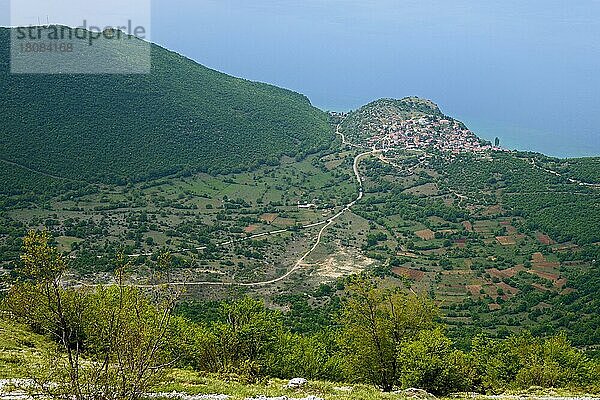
[269,217]
[344,262]
[426,234]
[506,240]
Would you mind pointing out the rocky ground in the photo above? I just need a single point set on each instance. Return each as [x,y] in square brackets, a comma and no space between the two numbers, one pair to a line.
[18,389]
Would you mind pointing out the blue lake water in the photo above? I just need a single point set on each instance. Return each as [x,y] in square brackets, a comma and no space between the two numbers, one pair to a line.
[525,71]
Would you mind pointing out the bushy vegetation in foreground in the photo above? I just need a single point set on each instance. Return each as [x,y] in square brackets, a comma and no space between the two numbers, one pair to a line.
[120,340]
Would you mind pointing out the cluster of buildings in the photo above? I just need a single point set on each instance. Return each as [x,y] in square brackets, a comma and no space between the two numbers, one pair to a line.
[336,114]
[424,133]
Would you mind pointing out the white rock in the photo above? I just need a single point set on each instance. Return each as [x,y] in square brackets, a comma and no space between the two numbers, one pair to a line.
[185,396]
[284,398]
[296,383]
[343,388]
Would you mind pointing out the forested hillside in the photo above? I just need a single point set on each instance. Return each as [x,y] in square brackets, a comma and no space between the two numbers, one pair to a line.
[182,117]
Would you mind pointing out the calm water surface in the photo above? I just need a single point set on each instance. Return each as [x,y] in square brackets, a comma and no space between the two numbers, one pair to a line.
[526,71]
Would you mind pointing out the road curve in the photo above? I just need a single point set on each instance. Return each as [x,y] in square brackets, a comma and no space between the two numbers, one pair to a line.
[301,261]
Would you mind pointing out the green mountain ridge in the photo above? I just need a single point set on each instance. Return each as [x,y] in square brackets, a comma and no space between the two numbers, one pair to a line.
[182,117]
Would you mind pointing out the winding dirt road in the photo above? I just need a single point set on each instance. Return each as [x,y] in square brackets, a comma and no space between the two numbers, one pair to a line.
[570,180]
[301,262]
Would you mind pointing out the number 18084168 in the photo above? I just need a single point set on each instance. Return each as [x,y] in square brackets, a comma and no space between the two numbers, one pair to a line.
[46,47]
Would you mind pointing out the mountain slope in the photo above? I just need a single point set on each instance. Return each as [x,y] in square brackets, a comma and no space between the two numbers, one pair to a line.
[180,117]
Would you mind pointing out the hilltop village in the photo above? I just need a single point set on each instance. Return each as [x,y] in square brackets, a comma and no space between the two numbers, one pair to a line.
[426,133]
[430,132]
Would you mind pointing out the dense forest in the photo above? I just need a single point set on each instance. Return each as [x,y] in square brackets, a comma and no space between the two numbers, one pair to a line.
[181,117]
